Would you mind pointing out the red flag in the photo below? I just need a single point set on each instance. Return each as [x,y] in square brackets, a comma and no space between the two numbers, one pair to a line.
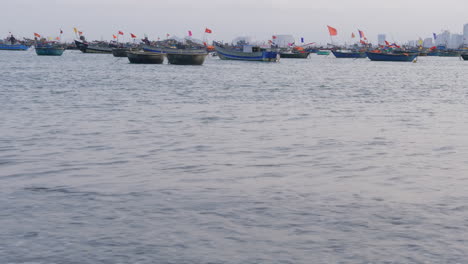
[388,44]
[57,38]
[273,37]
[133,36]
[121,32]
[352,35]
[61,31]
[190,33]
[37,35]
[332,31]
[80,33]
[207,30]
[167,35]
[114,36]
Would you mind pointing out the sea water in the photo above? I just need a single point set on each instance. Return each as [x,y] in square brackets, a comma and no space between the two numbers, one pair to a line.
[320,160]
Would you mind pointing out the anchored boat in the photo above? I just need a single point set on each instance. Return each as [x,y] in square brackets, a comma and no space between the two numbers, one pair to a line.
[246,53]
[349,54]
[323,52]
[464,56]
[94,47]
[120,52]
[145,57]
[391,56]
[49,49]
[186,57]
[11,43]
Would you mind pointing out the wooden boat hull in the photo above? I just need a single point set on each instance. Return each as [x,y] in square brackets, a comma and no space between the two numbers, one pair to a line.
[349,55]
[14,47]
[145,57]
[405,57]
[120,52]
[295,55]
[49,51]
[96,50]
[186,59]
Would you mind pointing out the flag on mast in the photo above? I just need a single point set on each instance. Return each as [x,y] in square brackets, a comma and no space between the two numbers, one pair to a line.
[190,33]
[352,35]
[361,34]
[209,31]
[37,35]
[332,31]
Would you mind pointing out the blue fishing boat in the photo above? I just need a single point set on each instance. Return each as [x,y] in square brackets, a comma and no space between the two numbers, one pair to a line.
[246,53]
[391,56]
[11,43]
[349,54]
[49,49]
[4,46]
[433,53]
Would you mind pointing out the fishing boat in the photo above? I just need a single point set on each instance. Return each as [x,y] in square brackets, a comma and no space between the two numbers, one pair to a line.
[294,53]
[464,55]
[49,49]
[349,54]
[449,53]
[11,43]
[246,53]
[120,52]
[94,47]
[391,56]
[186,56]
[143,57]
[323,52]
[178,53]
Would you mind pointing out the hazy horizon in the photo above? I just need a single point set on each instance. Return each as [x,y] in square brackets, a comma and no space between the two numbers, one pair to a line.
[399,20]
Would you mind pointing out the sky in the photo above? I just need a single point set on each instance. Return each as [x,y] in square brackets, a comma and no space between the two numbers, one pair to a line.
[400,20]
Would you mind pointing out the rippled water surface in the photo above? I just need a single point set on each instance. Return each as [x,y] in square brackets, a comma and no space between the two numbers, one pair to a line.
[303,161]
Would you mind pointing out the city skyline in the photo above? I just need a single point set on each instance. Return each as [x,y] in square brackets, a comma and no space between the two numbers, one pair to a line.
[400,21]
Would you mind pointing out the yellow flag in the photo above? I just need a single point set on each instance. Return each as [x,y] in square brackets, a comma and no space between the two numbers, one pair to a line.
[76,30]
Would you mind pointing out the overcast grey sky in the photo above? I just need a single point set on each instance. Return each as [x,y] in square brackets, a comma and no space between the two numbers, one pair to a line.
[401,20]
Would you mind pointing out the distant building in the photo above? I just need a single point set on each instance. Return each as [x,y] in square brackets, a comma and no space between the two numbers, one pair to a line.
[465,35]
[427,43]
[456,41]
[381,38]
[443,39]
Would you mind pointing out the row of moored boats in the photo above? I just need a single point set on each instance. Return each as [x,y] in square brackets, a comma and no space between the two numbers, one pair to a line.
[192,53]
